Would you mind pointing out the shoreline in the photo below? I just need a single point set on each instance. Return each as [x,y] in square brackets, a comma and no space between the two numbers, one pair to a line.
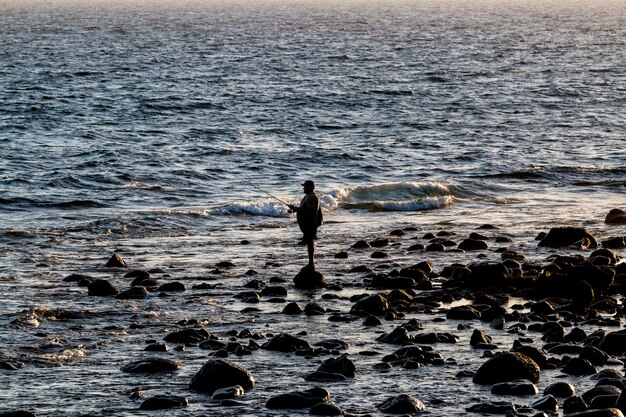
[235,310]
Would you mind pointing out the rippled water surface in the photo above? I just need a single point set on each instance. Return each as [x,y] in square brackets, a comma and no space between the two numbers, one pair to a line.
[153,128]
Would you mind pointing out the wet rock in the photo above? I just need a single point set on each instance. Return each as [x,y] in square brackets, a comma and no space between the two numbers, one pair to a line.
[333,344]
[379,254]
[599,390]
[314,309]
[379,243]
[473,245]
[299,399]
[618,242]
[156,347]
[398,336]
[151,365]
[76,278]
[187,336]
[163,402]
[228,393]
[384,282]
[479,336]
[323,409]
[339,365]
[133,293]
[574,405]
[415,247]
[506,367]
[359,269]
[614,343]
[546,403]
[375,305]
[220,373]
[603,401]
[498,407]
[102,288]
[515,388]
[308,279]
[561,237]
[594,355]
[538,355]
[361,244]
[489,274]
[172,287]
[579,367]
[463,313]
[615,216]
[402,404]
[285,343]
[325,377]
[435,247]
[274,291]
[292,309]
[372,321]
[341,255]
[607,412]
[116,261]
[560,390]
[11,366]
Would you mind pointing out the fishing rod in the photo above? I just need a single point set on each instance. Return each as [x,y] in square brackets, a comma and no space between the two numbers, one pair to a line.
[265,192]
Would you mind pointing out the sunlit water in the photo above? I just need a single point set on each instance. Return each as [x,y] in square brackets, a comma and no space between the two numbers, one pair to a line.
[153,129]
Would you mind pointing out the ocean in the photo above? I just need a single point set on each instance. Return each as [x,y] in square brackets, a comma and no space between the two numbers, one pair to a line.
[157,128]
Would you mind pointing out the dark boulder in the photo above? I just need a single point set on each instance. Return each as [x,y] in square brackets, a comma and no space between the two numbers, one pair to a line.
[324,409]
[574,405]
[599,390]
[339,365]
[308,279]
[116,261]
[379,243]
[156,347]
[325,377]
[220,373]
[285,343]
[102,288]
[515,388]
[579,367]
[151,365]
[314,309]
[402,404]
[133,293]
[187,336]
[505,367]
[560,390]
[614,343]
[617,242]
[489,274]
[299,399]
[546,403]
[463,313]
[172,287]
[398,336]
[292,308]
[594,355]
[615,216]
[375,305]
[163,402]
[560,237]
[498,407]
[361,244]
[478,337]
[227,393]
[473,245]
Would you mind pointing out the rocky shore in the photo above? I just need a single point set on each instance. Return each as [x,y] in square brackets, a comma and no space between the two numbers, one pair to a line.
[528,334]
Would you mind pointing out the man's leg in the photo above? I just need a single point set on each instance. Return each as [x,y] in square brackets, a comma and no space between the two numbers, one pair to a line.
[310,246]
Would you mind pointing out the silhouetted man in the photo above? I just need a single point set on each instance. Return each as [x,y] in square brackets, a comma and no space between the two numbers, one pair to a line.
[309,218]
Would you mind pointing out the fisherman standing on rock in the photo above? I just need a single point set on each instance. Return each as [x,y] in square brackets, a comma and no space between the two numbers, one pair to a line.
[309,216]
